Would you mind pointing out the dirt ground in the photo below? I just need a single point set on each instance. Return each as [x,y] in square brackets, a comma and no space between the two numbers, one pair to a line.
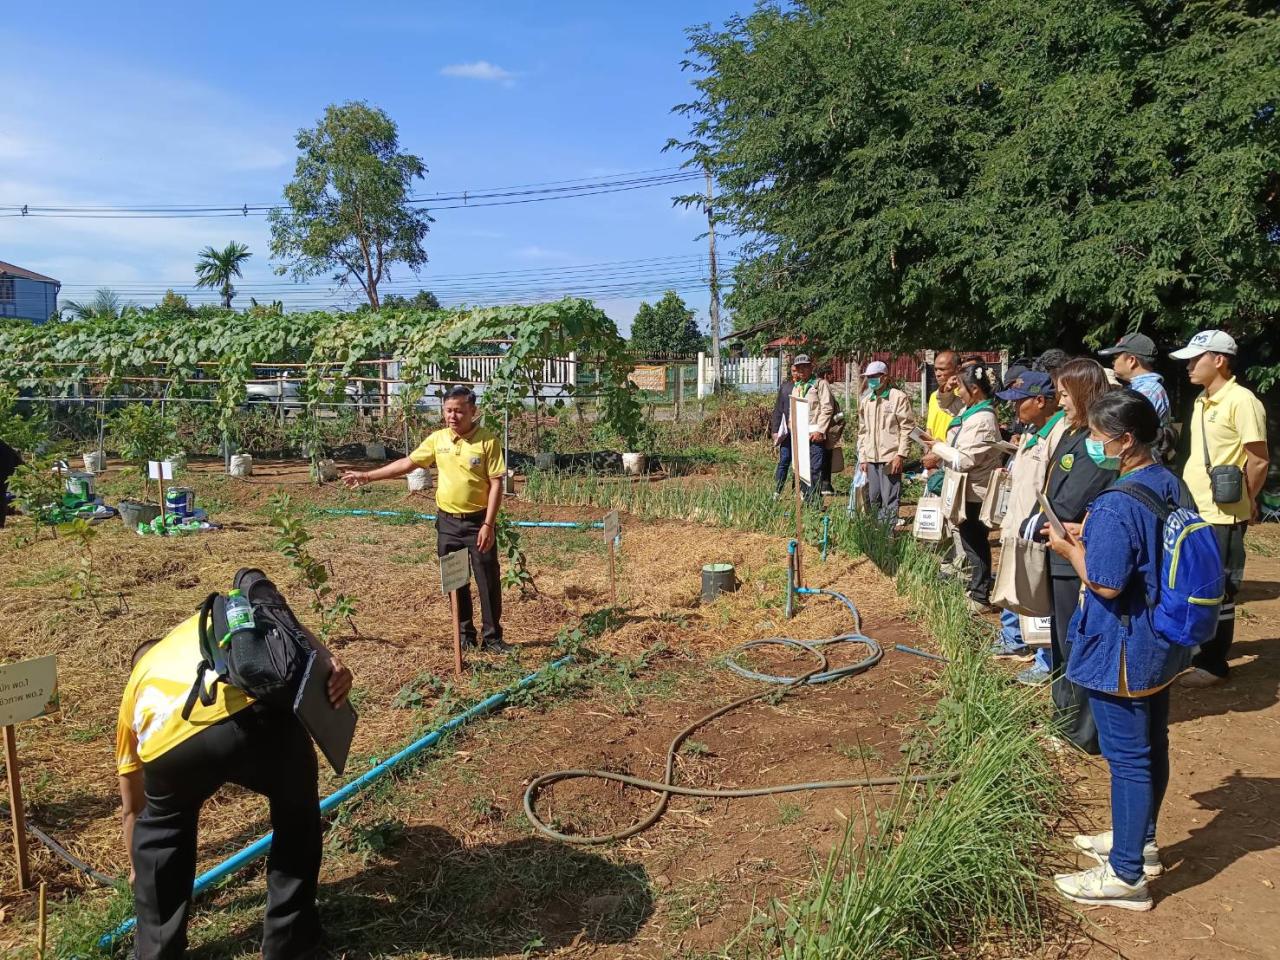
[441,860]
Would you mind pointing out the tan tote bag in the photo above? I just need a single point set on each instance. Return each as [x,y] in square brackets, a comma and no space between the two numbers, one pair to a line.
[1022,580]
[929,522]
[954,485]
[996,503]
[1036,631]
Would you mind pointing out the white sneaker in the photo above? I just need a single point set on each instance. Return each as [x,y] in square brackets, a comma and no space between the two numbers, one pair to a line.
[1099,847]
[1198,679]
[1100,887]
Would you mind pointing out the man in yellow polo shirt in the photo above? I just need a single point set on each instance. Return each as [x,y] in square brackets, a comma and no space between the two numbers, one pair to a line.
[469,461]
[1228,436]
[169,766]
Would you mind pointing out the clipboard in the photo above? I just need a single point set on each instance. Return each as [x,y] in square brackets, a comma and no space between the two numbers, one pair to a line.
[1004,446]
[331,729]
[1049,515]
[919,436]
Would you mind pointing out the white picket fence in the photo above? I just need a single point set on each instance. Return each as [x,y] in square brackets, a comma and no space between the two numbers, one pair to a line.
[478,371]
[747,374]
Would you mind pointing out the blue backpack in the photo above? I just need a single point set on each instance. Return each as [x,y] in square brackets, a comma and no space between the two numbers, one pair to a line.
[1190,587]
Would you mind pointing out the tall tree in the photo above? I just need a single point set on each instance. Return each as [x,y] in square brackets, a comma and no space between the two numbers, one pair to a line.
[217,268]
[666,327]
[349,210]
[911,172]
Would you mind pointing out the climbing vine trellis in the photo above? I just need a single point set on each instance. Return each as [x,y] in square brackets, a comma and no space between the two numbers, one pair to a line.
[220,349]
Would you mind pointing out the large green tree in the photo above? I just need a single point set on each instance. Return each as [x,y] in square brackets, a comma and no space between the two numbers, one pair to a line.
[422,300]
[217,268]
[350,212]
[917,172]
[666,327]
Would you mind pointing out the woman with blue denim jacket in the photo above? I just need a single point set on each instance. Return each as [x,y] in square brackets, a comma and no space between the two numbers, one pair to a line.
[1116,655]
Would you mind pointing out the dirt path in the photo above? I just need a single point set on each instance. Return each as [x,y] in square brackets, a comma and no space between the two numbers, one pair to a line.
[1220,826]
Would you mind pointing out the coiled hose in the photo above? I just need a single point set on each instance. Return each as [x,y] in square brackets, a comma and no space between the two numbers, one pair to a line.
[666,788]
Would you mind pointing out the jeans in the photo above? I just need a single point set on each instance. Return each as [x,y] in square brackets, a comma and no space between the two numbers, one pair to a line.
[268,752]
[884,490]
[1213,655]
[784,464]
[1070,702]
[975,539]
[1134,734]
[1044,659]
[454,532]
[1010,630]
[817,456]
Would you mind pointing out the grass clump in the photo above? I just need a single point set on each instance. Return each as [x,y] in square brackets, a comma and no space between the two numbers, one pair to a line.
[949,863]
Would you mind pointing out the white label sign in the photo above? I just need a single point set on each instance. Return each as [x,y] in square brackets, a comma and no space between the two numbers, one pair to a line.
[929,521]
[160,469]
[800,445]
[455,570]
[612,526]
[28,689]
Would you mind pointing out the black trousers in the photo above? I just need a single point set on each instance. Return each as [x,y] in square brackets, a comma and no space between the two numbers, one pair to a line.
[1071,710]
[1213,655]
[268,752]
[454,532]
[975,538]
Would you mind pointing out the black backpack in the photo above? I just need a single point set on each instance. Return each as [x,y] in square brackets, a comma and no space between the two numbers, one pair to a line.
[267,665]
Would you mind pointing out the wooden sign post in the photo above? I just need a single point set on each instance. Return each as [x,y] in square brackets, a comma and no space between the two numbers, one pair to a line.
[800,463]
[455,574]
[160,471]
[28,689]
[612,530]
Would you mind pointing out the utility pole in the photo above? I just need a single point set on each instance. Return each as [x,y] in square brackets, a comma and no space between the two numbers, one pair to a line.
[715,290]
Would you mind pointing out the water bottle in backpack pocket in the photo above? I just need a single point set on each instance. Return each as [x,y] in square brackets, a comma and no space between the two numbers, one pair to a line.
[250,639]
[1190,585]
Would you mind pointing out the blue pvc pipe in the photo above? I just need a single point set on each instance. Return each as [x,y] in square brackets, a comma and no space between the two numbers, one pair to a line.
[260,846]
[554,524]
[826,526]
[791,578]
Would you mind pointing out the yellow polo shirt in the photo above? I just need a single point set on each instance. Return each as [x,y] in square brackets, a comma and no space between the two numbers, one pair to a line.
[937,418]
[1228,420]
[150,721]
[465,465]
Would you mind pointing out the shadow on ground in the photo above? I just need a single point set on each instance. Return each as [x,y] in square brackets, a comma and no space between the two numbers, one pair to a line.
[428,892]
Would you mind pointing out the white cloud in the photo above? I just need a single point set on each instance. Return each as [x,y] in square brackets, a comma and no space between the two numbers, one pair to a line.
[535,252]
[480,70]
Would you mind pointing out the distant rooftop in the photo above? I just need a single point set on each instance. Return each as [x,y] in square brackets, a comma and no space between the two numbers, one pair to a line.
[11,270]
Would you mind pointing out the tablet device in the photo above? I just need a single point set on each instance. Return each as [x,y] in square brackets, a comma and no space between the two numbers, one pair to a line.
[1049,515]
[919,436]
[331,729]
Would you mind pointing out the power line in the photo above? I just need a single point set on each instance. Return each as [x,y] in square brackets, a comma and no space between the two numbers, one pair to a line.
[467,199]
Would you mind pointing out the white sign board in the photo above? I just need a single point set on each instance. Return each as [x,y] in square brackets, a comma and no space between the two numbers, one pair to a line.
[612,526]
[800,447]
[28,689]
[160,469]
[455,570]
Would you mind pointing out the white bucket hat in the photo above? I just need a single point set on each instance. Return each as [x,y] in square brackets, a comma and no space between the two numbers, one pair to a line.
[876,368]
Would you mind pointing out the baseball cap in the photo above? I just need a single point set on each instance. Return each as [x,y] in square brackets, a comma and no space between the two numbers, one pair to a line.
[876,368]
[801,359]
[1029,383]
[1206,341]
[1139,344]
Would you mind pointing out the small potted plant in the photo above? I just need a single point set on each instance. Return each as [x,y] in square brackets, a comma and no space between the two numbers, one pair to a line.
[142,433]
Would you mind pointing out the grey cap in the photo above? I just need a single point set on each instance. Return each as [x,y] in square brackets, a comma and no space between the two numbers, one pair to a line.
[801,359]
[1139,344]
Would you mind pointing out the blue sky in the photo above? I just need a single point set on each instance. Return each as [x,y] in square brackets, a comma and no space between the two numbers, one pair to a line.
[174,103]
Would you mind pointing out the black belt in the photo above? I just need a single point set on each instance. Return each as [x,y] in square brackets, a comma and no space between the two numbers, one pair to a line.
[460,516]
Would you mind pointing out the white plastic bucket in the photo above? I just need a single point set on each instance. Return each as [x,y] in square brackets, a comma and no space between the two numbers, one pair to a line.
[544,460]
[375,451]
[241,465]
[419,480]
[635,464]
[95,461]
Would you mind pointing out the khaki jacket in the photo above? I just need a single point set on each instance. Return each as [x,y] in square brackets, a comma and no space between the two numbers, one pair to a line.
[884,426]
[971,448]
[1028,471]
[822,407]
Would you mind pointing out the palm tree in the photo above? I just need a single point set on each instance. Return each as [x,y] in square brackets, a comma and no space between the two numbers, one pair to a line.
[215,268]
[105,305]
